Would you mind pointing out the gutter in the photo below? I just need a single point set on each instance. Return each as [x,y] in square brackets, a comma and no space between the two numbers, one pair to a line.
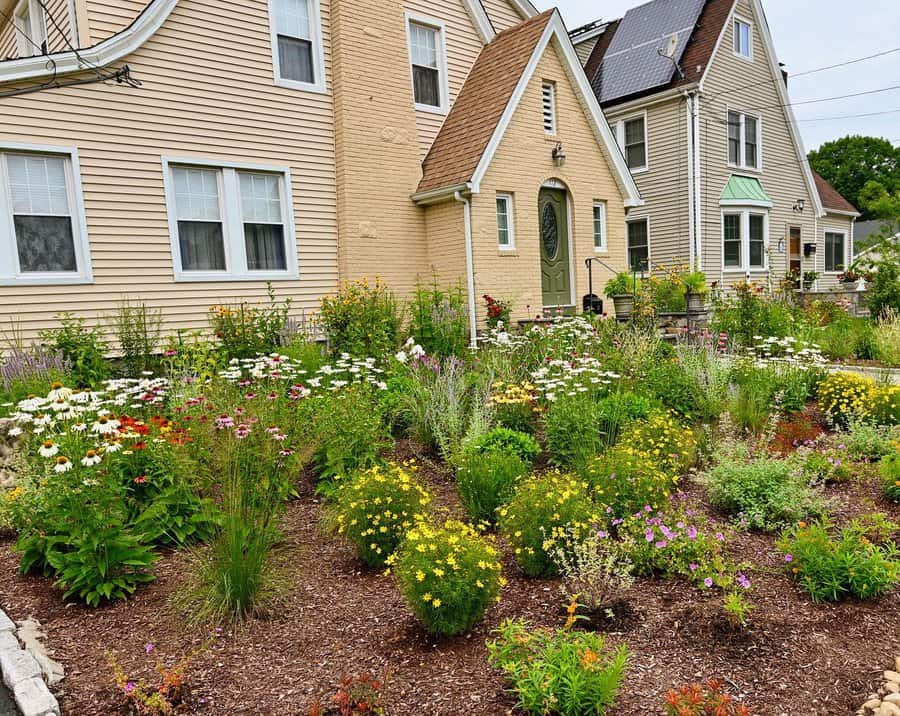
[698,187]
[470,267]
[689,115]
[432,196]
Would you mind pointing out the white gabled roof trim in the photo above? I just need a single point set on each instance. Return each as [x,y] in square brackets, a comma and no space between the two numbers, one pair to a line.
[104,53]
[556,28]
[480,19]
[524,8]
[769,45]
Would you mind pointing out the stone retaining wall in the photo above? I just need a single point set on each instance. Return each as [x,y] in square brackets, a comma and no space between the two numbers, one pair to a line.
[23,675]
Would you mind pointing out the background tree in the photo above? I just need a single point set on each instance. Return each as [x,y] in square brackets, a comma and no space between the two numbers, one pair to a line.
[850,162]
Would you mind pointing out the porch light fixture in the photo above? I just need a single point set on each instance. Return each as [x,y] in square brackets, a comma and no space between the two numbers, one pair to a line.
[559,156]
[781,246]
[799,205]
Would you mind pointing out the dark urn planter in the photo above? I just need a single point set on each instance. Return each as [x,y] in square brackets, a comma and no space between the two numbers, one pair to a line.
[624,305]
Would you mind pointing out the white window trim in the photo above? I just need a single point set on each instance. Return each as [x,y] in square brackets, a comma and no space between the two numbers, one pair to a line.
[318,51]
[635,220]
[510,222]
[620,138]
[744,211]
[603,248]
[37,31]
[232,232]
[443,82]
[843,233]
[552,86]
[742,150]
[9,268]
[736,19]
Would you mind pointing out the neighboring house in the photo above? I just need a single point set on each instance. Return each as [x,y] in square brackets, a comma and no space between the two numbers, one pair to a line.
[298,142]
[872,255]
[698,101]
[868,234]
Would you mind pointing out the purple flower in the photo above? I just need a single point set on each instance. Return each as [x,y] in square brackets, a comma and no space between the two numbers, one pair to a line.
[708,582]
[224,421]
[602,534]
[148,648]
[661,544]
[649,536]
[693,566]
[647,508]
[743,581]
[241,431]
[788,558]
[720,537]
[692,532]
[129,687]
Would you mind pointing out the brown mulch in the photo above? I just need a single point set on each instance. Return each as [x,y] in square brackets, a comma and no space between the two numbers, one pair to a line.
[795,659]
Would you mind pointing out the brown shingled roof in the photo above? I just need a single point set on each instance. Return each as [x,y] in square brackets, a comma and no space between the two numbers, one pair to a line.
[830,197]
[469,126]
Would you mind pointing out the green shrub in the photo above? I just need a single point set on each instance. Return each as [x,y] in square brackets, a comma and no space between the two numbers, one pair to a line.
[674,387]
[625,479]
[572,430]
[749,313]
[538,515]
[665,441]
[864,441]
[449,575]
[890,476]
[832,566]
[827,465]
[83,349]
[571,673]
[884,288]
[524,446]
[618,409]
[376,508]
[485,480]
[766,493]
[245,331]
[439,320]
[847,338]
[361,320]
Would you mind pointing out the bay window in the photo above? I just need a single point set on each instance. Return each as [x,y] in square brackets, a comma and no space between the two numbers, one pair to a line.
[744,240]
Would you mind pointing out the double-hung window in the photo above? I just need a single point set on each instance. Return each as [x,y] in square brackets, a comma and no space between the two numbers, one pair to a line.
[835,242]
[297,44]
[632,136]
[230,222]
[506,238]
[744,140]
[428,63]
[743,39]
[744,240]
[639,245]
[43,236]
[599,226]
[30,27]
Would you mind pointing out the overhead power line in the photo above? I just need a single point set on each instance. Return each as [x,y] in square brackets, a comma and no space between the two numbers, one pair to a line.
[849,116]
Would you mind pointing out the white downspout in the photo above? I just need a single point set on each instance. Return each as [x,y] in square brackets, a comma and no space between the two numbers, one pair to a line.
[470,267]
[689,113]
[698,196]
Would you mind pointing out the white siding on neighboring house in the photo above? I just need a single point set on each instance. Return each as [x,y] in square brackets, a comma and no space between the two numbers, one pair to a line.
[734,83]
[207,92]
[584,49]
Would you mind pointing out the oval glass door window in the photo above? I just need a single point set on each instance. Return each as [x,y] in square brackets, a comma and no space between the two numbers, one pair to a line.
[550,232]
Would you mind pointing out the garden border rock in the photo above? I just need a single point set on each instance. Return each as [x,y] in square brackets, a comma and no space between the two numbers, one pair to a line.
[22,674]
[887,701]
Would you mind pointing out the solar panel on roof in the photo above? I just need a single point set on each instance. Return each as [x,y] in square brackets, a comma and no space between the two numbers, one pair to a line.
[633,63]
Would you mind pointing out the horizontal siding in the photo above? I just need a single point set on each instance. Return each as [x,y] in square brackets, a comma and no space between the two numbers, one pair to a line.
[502,14]
[59,29]
[781,175]
[207,91]
[106,18]
[463,44]
[664,186]
[831,222]
[584,49]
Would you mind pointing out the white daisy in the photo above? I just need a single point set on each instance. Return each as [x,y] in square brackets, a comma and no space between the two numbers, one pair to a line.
[59,392]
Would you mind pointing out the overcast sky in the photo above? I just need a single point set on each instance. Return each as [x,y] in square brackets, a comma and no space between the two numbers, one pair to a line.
[810,34]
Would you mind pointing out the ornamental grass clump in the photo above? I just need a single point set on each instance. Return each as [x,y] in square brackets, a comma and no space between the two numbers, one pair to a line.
[449,575]
[832,565]
[571,673]
[486,479]
[542,512]
[376,508]
[844,396]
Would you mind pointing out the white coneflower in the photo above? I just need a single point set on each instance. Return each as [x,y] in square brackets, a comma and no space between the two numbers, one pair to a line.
[91,458]
[43,419]
[104,425]
[48,449]
[62,464]
[58,392]
[78,427]
[15,432]
[113,446]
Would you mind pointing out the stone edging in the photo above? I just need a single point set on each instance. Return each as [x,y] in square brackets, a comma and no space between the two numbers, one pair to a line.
[22,674]
[887,701]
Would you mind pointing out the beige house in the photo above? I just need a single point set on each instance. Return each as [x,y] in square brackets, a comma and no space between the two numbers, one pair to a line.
[185,153]
[699,104]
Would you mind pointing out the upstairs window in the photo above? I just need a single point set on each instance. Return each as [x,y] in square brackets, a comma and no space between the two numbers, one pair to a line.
[296,44]
[505,230]
[42,233]
[548,99]
[834,251]
[429,65]
[744,140]
[632,136]
[639,245]
[31,28]
[743,39]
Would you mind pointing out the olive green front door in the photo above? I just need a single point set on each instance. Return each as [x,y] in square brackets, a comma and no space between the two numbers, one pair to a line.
[556,279]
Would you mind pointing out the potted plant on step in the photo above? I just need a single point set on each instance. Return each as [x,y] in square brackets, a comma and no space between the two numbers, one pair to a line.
[809,278]
[695,291]
[620,289]
[791,281]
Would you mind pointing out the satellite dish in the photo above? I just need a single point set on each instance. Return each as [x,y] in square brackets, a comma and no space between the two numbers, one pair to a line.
[672,46]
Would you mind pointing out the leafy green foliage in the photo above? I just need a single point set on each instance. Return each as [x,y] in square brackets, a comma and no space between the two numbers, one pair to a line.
[571,673]
[572,430]
[438,319]
[890,476]
[83,348]
[524,446]
[138,329]
[449,575]
[361,319]
[485,480]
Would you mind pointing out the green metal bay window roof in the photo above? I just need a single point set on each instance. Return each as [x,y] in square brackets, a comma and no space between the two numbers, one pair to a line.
[744,191]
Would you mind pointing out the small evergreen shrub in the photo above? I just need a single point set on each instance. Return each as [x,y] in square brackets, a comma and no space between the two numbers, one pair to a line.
[831,565]
[571,673]
[538,515]
[449,575]
[375,509]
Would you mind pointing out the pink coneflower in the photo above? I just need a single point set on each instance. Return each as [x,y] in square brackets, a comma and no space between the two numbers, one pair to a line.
[171,353]
[224,421]
[241,431]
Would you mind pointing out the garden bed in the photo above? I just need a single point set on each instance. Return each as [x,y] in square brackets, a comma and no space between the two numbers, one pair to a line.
[795,657]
